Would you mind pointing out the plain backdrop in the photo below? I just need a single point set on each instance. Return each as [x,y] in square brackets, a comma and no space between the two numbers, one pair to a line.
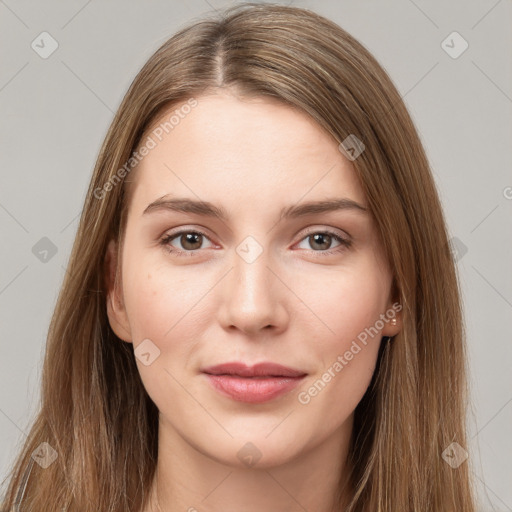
[55,110]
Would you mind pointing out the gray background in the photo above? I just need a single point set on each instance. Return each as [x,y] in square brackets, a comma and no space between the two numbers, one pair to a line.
[55,112]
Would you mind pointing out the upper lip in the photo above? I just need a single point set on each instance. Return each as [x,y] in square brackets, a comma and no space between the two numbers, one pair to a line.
[258,370]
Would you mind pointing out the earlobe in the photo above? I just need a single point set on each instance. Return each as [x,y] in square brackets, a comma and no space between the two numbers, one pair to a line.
[116,312]
[394,326]
[394,321]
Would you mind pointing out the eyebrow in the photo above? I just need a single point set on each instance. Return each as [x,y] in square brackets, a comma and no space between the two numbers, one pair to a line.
[207,209]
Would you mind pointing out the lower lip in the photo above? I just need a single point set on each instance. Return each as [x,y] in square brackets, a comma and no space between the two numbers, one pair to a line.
[253,390]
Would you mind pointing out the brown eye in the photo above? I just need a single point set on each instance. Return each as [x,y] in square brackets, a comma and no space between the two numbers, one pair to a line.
[322,242]
[184,242]
[191,241]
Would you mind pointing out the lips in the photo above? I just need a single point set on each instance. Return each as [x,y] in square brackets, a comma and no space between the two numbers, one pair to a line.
[255,384]
[258,370]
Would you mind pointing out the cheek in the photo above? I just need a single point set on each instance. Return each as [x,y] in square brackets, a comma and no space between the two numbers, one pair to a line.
[350,304]
[164,305]
[167,304]
[349,356]
[346,302]
[148,305]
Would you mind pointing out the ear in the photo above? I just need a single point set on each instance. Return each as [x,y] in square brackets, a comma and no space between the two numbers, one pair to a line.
[116,312]
[393,313]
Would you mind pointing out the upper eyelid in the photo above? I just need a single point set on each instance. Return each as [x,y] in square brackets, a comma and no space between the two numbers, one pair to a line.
[336,231]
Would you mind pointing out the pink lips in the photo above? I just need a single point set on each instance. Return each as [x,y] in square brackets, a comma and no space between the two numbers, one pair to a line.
[256,384]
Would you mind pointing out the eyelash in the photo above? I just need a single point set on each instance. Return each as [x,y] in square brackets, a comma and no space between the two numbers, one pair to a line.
[165,242]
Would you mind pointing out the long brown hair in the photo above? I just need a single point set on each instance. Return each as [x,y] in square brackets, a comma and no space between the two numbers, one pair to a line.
[95,413]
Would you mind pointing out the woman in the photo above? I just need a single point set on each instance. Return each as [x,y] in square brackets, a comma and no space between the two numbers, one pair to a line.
[261,311]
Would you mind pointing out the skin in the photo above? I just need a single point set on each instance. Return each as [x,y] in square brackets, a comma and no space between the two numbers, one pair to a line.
[293,305]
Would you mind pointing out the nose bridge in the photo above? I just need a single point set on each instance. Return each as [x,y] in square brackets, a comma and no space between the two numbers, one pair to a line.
[251,278]
[253,296]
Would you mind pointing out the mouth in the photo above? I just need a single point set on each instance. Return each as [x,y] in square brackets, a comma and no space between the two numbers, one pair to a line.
[256,384]
[259,370]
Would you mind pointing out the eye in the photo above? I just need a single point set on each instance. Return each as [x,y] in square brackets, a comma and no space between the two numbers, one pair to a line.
[321,242]
[189,240]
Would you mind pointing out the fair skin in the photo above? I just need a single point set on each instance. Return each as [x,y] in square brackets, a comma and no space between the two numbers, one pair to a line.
[294,305]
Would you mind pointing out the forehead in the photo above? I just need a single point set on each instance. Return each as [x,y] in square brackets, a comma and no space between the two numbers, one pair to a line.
[256,152]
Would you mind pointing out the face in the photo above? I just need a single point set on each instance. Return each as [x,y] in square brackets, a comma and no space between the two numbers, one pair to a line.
[309,291]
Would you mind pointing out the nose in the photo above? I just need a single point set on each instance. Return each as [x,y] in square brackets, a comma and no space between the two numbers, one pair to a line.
[253,298]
